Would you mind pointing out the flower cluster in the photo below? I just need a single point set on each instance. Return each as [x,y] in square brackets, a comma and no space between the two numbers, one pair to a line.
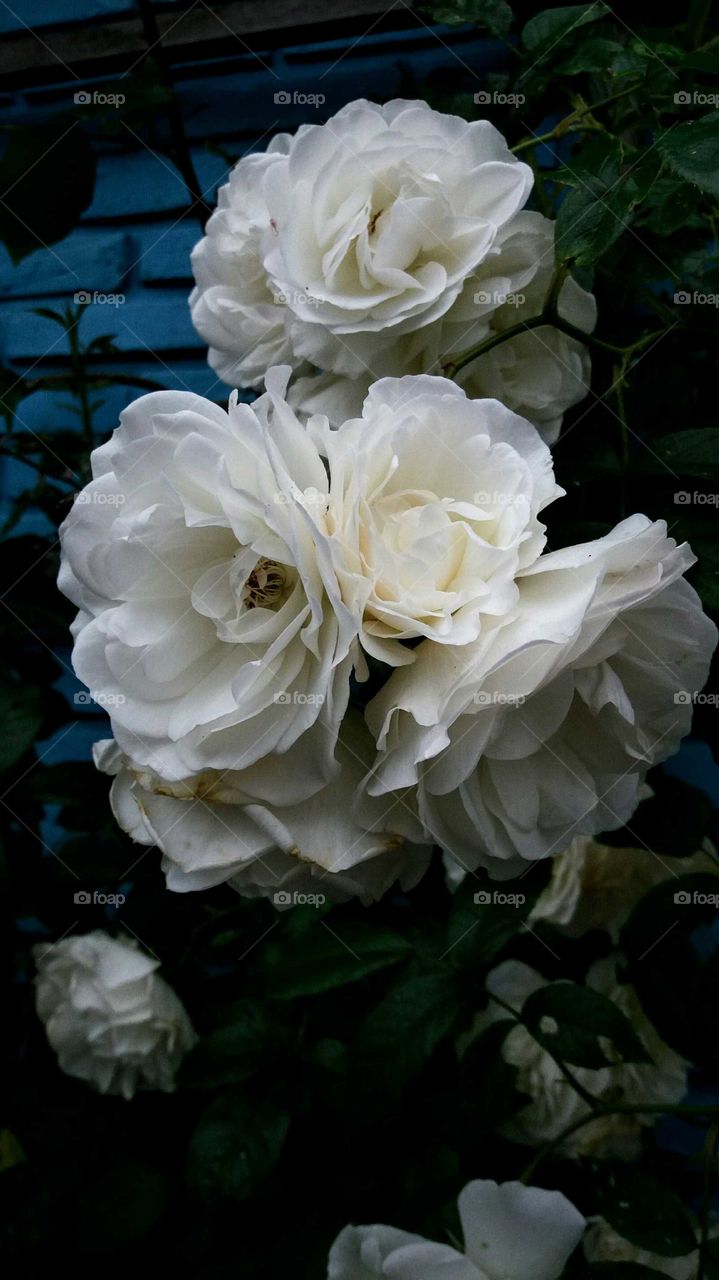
[258,569]
[325,624]
[385,242]
[335,639]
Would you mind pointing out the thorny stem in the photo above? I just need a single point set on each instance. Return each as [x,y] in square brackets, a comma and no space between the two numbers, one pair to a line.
[566,124]
[556,132]
[620,1109]
[548,316]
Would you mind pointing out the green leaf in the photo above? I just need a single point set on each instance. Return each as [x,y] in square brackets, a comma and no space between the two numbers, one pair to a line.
[13,390]
[483,919]
[595,164]
[330,956]
[402,1032]
[595,54]
[633,62]
[492,15]
[645,1211]
[48,176]
[691,453]
[702,60]
[673,205]
[573,1021]
[47,313]
[590,221]
[235,1146]
[20,717]
[549,28]
[692,150]
[11,1151]
[231,1054]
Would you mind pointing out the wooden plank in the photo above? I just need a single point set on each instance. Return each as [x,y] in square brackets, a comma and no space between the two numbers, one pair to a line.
[232,25]
[40,13]
[84,260]
[163,327]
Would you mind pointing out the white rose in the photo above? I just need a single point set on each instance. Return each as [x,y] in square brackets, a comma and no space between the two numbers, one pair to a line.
[233,305]
[597,886]
[555,1104]
[545,727]
[247,831]
[109,1016]
[511,1232]
[602,1244]
[433,509]
[539,374]
[210,626]
[370,222]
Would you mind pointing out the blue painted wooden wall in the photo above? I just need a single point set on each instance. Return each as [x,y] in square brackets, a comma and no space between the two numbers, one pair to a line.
[133,239]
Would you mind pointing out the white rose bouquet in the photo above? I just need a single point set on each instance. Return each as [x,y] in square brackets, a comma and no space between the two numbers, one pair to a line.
[376,696]
[249,567]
